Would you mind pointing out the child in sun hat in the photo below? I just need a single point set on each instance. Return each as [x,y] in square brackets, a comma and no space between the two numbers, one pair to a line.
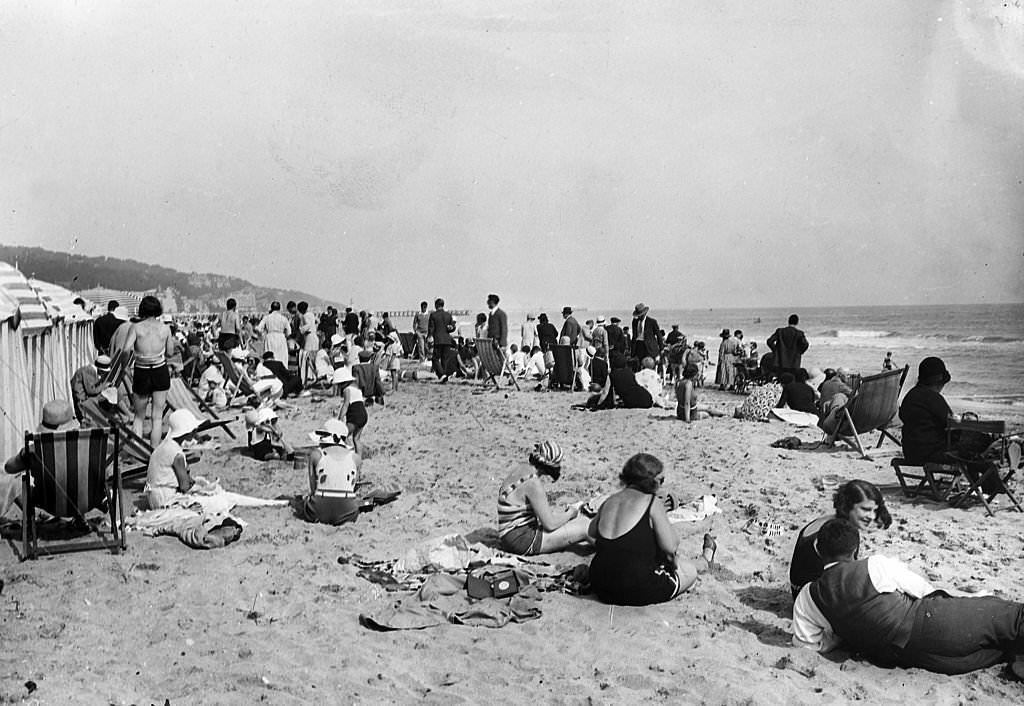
[333,469]
[266,440]
[168,474]
[353,407]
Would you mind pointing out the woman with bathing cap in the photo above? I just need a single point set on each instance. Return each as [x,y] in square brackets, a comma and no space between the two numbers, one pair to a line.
[527,524]
[168,470]
[638,559]
[859,502]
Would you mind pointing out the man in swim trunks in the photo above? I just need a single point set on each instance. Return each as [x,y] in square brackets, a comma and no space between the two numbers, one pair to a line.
[153,344]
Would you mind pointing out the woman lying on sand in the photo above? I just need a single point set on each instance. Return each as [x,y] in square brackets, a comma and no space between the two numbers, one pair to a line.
[526,522]
[689,405]
[859,502]
[638,560]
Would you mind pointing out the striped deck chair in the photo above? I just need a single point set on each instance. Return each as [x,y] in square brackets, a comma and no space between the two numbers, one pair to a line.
[237,383]
[181,396]
[136,449]
[871,408]
[493,362]
[120,363]
[68,478]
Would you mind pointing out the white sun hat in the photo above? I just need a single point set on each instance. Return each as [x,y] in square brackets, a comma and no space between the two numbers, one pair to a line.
[341,375]
[181,422]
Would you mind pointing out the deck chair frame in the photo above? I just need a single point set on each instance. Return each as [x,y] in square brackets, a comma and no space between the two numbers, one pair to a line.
[49,469]
[942,482]
[236,380]
[847,430]
[494,362]
[131,443]
[185,397]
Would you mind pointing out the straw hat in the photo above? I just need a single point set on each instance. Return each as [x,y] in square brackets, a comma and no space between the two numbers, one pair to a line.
[122,314]
[181,422]
[337,340]
[341,375]
[57,413]
[600,319]
[331,432]
[640,309]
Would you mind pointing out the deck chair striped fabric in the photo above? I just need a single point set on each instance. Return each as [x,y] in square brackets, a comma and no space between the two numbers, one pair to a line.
[237,383]
[181,396]
[871,408]
[68,478]
[494,362]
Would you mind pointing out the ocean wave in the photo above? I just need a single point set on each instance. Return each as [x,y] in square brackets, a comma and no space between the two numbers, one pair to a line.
[893,339]
[857,333]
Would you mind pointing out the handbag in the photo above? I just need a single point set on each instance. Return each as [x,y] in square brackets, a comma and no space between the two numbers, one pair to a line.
[492,582]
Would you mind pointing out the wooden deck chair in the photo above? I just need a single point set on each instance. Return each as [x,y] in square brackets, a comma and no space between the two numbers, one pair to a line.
[136,449]
[120,363]
[563,375]
[493,362]
[870,408]
[237,383]
[408,341]
[181,396]
[68,478]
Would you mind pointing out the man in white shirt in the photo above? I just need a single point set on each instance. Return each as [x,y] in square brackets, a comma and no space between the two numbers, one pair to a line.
[882,609]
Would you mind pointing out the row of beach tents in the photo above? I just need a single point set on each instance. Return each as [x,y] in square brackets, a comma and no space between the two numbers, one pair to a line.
[44,338]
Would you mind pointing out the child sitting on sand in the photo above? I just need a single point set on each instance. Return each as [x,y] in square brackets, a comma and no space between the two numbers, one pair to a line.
[266,440]
[333,468]
[527,524]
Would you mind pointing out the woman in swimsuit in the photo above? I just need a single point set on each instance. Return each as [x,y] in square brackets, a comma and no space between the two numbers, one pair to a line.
[638,560]
[858,501]
[688,402]
[527,524]
[153,344]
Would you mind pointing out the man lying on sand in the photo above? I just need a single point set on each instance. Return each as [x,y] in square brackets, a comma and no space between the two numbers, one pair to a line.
[880,608]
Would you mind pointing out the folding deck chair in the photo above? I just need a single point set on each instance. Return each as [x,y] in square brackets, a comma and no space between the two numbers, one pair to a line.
[871,408]
[950,482]
[181,396]
[133,446]
[238,383]
[563,375]
[67,477]
[120,364]
[494,362]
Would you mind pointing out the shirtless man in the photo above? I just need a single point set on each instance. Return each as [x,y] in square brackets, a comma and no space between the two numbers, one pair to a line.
[153,344]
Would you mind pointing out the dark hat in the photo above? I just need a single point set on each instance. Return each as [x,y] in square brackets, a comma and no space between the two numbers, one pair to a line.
[640,309]
[615,320]
[566,310]
[932,370]
[725,333]
[365,356]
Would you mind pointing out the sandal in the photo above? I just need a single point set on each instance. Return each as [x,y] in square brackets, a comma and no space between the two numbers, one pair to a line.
[709,545]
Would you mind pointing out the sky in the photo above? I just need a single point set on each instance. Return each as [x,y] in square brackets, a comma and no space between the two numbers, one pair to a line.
[583,152]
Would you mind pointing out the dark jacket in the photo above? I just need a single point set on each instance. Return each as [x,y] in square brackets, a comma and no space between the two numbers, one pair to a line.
[497,327]
[647,342]
[103,330]
[788,344]
[437,327]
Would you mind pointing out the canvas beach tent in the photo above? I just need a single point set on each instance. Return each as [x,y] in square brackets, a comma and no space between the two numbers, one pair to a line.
[44,338]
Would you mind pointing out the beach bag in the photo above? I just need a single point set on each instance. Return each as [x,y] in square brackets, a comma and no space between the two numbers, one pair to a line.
[492,582]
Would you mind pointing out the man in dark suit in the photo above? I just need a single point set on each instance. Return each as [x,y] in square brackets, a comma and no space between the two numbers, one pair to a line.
[647,339]
[439,330]
[497,322]
[788,344]
[616,337]
[350,324]
[571,328]
[103,328]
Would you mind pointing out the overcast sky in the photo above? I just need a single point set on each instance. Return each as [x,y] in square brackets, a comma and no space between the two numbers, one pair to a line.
[731,153]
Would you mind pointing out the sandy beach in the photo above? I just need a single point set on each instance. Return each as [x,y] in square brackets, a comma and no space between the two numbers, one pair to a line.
[274,617]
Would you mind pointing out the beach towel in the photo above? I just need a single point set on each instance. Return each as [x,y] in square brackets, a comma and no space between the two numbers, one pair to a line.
[794,416]
[442,599]
[699,509]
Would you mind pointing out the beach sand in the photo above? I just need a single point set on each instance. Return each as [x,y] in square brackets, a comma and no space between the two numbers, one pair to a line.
[274,618]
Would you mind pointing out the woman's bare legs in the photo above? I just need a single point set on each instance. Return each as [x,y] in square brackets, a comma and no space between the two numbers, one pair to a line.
[159,402]
[572,532]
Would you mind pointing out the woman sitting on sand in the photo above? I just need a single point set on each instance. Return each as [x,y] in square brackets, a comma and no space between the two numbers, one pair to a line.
[638,560]
[690,406]
[859,502]
[168,474]
[622,383]
[796,393]
[526,522]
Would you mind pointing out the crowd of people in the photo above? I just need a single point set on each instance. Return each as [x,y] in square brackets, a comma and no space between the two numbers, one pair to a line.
[875,605]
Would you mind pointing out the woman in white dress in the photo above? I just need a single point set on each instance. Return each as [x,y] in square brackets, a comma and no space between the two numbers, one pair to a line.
[275,328]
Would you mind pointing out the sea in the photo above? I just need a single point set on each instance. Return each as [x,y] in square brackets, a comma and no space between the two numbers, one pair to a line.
[982,344]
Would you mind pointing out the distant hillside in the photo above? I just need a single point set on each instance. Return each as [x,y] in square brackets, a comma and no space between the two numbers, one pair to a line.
[78,272]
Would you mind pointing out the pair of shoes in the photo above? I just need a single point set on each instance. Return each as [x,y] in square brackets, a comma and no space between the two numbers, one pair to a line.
[710,545]
[443,379]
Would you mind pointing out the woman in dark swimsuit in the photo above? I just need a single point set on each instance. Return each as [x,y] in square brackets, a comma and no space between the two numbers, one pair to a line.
[859,502]
[638,560]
